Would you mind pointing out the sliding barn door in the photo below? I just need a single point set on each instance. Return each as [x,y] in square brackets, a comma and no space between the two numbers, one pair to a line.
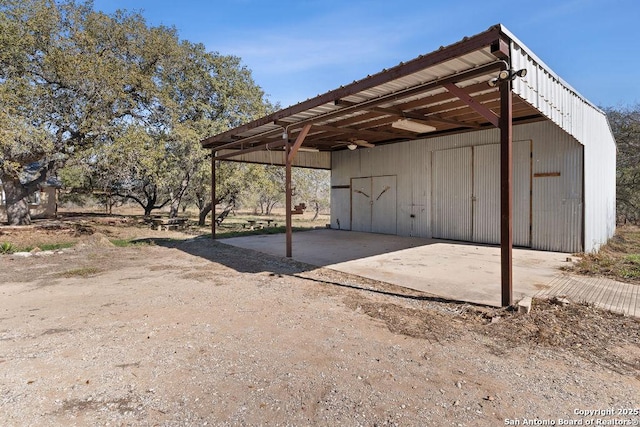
[452,192]
[466,194]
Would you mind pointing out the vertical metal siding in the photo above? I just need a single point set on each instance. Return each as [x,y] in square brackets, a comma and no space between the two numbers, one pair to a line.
[361,200]
[452,190]
[522,181]
[486,194]
[341,173]
[557,201]
[384,204]
[599,183]
[588,125]
[418,221]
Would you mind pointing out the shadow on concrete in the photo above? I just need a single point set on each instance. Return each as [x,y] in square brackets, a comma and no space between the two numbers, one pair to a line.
[324,247]
[240,260]
[452,271]
[251,261]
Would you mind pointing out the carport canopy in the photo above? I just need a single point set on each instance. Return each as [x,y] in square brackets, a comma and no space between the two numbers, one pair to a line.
[463,87]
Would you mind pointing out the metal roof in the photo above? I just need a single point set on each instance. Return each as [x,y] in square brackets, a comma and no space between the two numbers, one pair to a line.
[364,111]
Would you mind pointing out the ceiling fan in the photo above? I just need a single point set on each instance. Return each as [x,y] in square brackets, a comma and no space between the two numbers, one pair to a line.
[355,143]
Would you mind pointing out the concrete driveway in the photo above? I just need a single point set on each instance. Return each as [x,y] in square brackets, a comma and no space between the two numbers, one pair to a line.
[452,270]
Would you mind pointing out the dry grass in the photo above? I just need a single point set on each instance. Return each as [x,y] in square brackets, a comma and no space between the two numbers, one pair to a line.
[619,259]
[580,329]
[127,227]
[82,272]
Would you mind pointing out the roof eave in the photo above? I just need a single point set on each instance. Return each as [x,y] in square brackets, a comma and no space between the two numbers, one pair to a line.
[492,36]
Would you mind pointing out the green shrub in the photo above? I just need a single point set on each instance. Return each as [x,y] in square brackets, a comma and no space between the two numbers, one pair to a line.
[7,248]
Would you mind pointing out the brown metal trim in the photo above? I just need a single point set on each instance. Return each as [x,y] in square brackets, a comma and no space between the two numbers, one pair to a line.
[530,193]
[268,146]
[356,131]
[337,187]
[471,102]
[545,174]
[288,204]
[500,49]
[398,112]
[403,93]
[299,140]
[465,46]
[506,193]
[213,195]
[249,139]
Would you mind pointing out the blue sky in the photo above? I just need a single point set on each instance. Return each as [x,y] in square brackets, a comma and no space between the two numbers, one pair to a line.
[299,49]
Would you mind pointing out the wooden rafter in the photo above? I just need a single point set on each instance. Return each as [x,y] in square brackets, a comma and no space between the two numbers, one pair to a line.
[471,102]
[468,45]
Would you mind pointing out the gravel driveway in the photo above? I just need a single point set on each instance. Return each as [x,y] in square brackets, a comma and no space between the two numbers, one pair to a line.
[200,333]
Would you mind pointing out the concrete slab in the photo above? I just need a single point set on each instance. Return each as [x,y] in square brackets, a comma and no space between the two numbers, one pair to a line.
[452,270]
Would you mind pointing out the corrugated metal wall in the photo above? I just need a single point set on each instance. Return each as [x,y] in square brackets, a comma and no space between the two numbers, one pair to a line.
[384,203]
[556,214]
[452,191]
[341,193]
[588,125]
[486,194]
[557,191]
[361,204]
[599,183]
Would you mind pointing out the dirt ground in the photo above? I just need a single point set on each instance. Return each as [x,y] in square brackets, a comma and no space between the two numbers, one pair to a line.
[186,331]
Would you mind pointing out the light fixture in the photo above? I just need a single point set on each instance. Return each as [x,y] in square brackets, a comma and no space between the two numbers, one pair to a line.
[352,146]
[412,126]
[309,149]
[506,75]
[521,73]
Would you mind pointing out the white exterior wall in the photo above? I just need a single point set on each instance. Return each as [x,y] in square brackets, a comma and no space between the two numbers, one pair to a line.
[587,124]
[599,183]
[557,200]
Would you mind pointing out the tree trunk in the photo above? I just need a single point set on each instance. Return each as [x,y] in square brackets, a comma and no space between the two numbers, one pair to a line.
[316,210]
[204,211]
[175,201]
[270,206]
[17,202]
[173,208]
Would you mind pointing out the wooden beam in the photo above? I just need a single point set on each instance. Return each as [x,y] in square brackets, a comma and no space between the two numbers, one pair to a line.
[213,194]
[261,147]
[288,204]
[400,94]
[471,102]
[455,50]
[249,139]
[299,140]
[355,131]
[500,49]
[398,112]
[506,192]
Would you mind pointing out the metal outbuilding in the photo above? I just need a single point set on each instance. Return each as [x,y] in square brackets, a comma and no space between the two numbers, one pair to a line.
[477,141]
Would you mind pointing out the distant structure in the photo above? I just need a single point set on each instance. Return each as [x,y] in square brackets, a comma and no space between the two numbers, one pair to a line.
[43,203]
